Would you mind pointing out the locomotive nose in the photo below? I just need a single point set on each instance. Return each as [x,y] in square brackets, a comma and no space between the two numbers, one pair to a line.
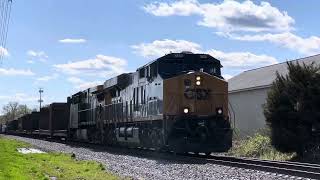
[196,94]
[202,134]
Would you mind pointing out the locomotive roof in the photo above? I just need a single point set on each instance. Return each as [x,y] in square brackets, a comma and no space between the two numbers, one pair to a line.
[114,80]
[181,55]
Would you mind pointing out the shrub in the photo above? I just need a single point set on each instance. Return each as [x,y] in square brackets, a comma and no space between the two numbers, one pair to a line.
[293,106]
[259,146]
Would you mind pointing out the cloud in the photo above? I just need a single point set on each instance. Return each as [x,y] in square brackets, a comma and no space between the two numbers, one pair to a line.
[237,60]
[161,47]
[40,55]
[19,97]
[255,22]
[101,65]
[81,84]
[307,46]
[227,16]
[4,52]
[179,8]
[242,60]
[72,41]
[48,78]
[30,62]
[227,76]
[15,72]
[75,80]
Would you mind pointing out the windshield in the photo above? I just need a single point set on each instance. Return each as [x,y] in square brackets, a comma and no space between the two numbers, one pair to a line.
[172,67]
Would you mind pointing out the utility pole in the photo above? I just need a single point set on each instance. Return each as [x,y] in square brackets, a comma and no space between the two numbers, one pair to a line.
[40,100]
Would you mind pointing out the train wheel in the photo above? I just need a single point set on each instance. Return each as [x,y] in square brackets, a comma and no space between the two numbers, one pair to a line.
[145,137]
[157,141]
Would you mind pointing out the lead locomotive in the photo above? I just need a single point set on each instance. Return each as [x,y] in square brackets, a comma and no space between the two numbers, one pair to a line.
[178,102]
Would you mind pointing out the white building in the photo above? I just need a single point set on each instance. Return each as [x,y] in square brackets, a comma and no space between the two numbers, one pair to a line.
[248,93]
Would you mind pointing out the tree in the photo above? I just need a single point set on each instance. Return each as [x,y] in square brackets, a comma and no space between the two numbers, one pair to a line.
[293,108]
[13,111]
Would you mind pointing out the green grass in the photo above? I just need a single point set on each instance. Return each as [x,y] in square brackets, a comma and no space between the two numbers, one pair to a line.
[259,146]
[14,165]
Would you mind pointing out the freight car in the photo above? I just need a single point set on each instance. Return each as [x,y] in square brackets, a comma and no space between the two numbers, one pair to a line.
[54,120]
[177,102]
[2,128]
[12,127]
[26,124]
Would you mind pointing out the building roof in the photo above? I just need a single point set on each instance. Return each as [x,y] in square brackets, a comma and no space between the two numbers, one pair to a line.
[264,76]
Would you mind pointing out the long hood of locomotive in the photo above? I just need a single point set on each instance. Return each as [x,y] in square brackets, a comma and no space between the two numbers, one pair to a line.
[151,99]
[202,98]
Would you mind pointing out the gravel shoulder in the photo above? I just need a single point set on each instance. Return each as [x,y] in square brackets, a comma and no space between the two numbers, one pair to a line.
[147,168]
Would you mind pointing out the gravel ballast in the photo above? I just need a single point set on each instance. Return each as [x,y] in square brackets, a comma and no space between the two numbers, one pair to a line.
[149,168]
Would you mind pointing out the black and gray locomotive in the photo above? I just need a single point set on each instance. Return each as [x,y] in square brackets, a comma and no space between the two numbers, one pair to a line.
[178,102]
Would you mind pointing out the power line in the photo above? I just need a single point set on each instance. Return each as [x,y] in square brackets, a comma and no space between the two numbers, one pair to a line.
[5,11]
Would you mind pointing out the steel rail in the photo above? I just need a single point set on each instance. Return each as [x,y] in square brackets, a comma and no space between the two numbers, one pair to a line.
[305,170]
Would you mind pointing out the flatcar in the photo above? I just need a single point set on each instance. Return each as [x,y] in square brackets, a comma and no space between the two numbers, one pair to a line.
[177,102]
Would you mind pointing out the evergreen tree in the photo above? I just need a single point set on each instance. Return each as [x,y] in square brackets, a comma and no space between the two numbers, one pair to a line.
[293,108]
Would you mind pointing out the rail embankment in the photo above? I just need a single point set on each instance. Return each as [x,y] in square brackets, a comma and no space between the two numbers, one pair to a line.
[36,164]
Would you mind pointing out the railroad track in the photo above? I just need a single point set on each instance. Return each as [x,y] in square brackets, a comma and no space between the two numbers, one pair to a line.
[305,170]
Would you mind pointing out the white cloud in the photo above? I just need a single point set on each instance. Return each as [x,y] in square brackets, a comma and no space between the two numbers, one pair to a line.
[101,65]
[242,60]
[231,16]
[227,76]
[30,62]
[4,52]
[15,72]
[72,41]
[75,80]
[307,46]
[161,47]
[238,60]
[228,16]
[180,8]
[48,78]
[81,84]
[19,97]
[40,55]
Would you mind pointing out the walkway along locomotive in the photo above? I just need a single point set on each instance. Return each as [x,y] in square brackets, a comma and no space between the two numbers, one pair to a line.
[179,102]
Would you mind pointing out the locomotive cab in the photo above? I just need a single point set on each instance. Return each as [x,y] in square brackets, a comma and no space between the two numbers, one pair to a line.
[196,108]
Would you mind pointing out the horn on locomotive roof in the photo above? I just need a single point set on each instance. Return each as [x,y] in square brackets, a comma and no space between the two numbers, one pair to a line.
[187,52]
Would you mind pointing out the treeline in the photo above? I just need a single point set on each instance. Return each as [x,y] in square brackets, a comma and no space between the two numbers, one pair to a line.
[13,110]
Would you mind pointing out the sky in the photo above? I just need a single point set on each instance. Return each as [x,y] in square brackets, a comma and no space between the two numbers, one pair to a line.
[68,46]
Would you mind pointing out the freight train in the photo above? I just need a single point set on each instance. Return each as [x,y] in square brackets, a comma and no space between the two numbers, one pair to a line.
[178,102]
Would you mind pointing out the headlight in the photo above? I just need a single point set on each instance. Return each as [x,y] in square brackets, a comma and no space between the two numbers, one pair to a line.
[219,111]
[198,83]
[186,110]
[198,78]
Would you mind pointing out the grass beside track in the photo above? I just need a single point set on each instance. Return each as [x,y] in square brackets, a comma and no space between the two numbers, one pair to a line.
[14,165]
[259,146]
